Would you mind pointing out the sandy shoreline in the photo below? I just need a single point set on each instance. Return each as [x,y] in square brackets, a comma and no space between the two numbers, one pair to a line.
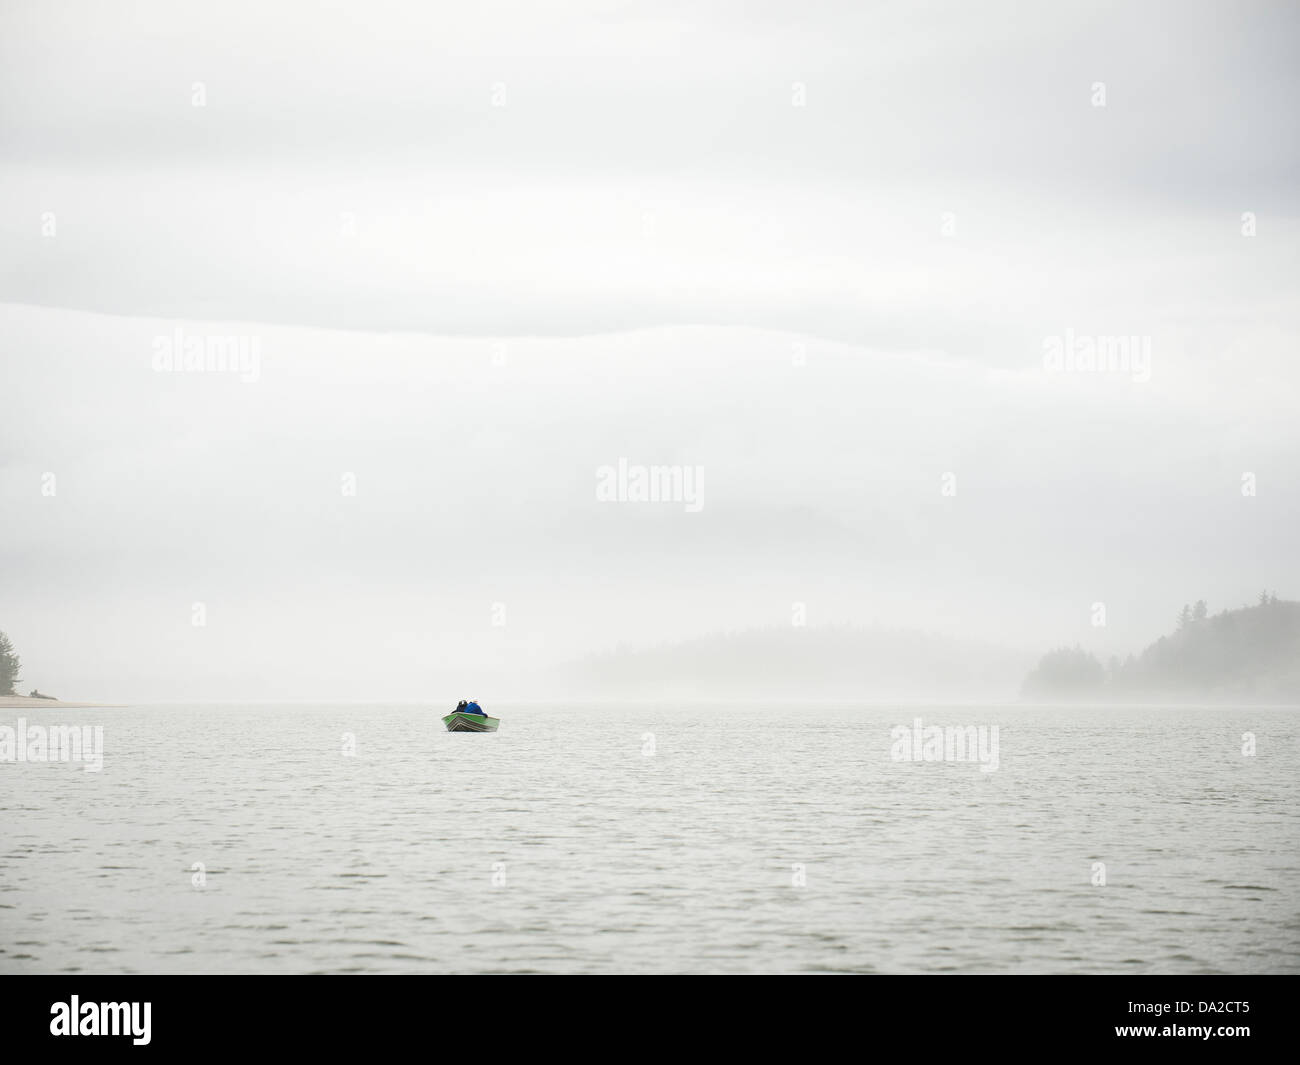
[26,702]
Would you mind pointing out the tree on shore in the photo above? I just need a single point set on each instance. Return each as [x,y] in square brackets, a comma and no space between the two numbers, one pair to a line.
[9,666]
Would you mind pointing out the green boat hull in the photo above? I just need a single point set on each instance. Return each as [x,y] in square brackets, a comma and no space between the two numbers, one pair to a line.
[458,722]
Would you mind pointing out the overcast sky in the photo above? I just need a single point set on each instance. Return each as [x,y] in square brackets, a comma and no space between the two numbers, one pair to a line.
[481,251]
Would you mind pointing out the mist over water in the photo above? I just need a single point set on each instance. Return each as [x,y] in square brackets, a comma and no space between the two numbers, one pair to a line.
[655,838]
[954,318]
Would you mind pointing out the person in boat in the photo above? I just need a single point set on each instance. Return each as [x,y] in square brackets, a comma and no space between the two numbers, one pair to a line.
[460,706]
[473,708]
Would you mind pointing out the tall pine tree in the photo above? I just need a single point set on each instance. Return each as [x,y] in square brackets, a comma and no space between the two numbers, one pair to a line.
[9,666]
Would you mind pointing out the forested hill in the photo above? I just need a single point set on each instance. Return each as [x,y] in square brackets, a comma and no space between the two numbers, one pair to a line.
[848,662]
[1252,653]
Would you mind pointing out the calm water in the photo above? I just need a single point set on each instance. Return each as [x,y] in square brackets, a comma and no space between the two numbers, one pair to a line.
[609,859]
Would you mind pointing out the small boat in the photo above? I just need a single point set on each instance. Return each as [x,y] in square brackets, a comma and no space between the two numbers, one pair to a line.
[458,721]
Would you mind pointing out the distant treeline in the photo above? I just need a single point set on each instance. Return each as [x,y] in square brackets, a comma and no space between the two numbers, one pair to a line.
[814,662]
[1252,652]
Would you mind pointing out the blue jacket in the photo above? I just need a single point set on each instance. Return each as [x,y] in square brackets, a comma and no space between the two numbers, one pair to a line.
[474,708]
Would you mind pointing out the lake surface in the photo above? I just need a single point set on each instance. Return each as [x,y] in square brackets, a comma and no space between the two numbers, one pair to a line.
[642,838]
